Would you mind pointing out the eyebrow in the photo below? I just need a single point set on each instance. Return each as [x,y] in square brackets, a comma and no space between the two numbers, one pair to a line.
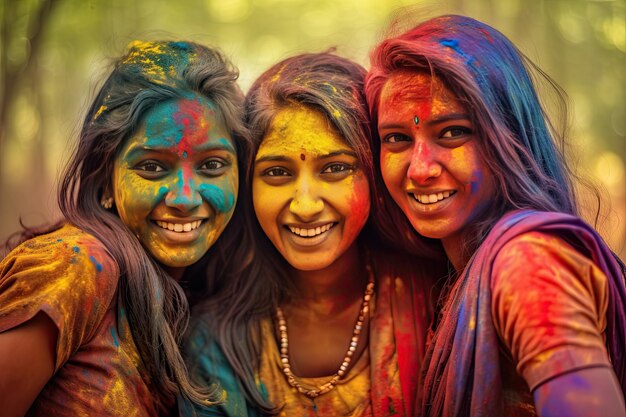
[272,158]
[282,158]
[442,119]
[220,146]
[337,153]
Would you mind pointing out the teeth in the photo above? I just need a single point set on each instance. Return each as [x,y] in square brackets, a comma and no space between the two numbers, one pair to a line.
[432,198]
[310,232]
[179,227]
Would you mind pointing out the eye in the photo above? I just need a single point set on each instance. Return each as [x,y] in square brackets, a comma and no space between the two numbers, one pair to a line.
[336,168]
[275,172]
[455,132]
[213,167]
[150,166]
[150,169]
[396,138]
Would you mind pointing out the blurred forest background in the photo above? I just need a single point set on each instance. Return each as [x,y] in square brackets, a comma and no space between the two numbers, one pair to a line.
[56,53]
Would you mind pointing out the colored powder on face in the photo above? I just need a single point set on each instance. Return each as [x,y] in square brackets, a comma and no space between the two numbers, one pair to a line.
[190,117]
[184,154]
[223,201]
[59,240]
[477,180]
[184,194]
[160,131]
[76,249]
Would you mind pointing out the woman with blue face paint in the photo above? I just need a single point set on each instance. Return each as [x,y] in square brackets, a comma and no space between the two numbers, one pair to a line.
[533,321]
[92,309]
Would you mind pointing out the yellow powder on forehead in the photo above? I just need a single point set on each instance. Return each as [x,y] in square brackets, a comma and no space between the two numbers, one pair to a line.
[299,129]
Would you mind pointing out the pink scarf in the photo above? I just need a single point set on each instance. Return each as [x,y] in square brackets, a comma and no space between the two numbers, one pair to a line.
[461,374]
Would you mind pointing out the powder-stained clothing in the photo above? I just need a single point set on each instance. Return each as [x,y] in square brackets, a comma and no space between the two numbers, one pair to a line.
[69,276]
[543,296]
[382,382]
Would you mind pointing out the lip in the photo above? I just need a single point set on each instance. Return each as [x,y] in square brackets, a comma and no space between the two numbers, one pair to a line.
[179,234]
[430,207]
[321,230]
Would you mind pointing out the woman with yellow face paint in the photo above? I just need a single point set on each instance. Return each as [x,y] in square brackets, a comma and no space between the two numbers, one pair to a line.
[334,325]
[92,309]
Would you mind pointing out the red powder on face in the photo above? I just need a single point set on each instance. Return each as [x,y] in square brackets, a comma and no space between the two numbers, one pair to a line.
[192,117]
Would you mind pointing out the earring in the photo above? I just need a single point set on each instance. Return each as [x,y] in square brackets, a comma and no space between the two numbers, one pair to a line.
[106,203]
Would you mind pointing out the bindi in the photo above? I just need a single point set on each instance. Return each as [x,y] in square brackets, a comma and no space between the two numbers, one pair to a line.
[302,157]
[416,120]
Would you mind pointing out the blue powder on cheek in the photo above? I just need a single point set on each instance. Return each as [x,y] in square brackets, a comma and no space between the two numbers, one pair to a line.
[221,200]
[76,249]
[476,181]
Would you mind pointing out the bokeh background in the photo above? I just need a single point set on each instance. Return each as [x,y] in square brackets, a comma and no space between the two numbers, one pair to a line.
[56,53]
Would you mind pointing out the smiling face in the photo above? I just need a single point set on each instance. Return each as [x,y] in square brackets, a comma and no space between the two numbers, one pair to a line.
[429,158]
[310,195]
[175,181]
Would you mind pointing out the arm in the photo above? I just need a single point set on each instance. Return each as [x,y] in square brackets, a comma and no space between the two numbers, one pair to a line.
[27,357]
[550,306]
[54,291]
[583,392]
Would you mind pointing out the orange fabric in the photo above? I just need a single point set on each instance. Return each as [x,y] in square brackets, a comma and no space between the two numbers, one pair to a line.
[349,397]
[549,310]
[69,276]
[560,302]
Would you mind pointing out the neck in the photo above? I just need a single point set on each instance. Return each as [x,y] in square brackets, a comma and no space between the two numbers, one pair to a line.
[453,246]
[333,288]
[175,272]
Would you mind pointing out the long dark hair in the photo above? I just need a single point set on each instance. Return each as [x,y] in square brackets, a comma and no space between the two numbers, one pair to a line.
[521,147]
[149,74]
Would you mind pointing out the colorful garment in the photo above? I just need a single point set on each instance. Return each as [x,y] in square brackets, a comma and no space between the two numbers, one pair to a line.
[540,284]
[69,276]
[383,381]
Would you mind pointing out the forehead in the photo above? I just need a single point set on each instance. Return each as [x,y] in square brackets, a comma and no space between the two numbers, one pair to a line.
[415,86]
[192,121]
[297,129]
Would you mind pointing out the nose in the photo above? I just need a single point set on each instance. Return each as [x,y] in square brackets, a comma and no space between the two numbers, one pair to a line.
[183,194]
[306,203]
[424,164]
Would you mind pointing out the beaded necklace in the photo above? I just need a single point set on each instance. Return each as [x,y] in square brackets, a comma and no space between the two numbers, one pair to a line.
[354,341]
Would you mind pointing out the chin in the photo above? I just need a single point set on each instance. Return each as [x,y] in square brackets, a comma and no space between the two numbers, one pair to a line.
[178,261]
[307,265]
